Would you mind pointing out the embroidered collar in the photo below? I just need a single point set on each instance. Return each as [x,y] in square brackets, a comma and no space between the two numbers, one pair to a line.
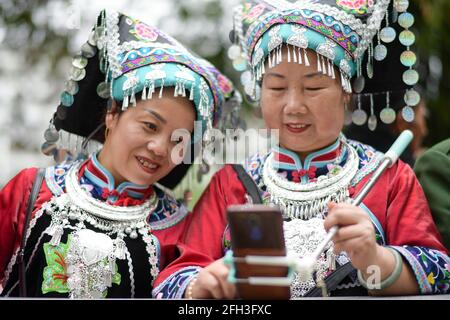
[96,179]
[316,164]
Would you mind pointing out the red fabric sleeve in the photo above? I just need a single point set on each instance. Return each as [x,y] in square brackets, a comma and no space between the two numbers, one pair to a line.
[202,242]
[13,202]
[408,216]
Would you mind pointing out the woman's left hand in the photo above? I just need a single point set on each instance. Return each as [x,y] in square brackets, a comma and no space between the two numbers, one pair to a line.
[356,234]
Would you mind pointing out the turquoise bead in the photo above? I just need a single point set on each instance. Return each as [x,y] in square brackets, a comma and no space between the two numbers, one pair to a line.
[66,99]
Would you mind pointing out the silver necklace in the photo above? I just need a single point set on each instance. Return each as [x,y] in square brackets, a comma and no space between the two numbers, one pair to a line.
[92,255]
[304,201]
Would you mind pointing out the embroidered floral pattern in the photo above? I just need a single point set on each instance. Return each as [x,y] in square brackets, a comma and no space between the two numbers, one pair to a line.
[144,32]
[252,13]
[431,268]
[175,285]
[55,273]
[355,6]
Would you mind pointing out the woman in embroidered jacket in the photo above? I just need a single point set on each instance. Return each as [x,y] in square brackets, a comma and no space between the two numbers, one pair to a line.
[100,227]
[302,57]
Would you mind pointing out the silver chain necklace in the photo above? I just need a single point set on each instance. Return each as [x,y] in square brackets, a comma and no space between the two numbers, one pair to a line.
[304,201]
[92,251]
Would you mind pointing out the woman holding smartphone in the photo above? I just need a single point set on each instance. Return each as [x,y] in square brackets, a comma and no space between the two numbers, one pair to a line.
[99,226]
[302,58]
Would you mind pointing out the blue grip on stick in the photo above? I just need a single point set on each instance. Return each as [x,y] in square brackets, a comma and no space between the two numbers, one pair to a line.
[399,146]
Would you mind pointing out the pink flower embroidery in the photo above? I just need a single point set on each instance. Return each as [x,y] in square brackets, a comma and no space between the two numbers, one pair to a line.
[224,83]
[255,12]
[143,31]
[360,6]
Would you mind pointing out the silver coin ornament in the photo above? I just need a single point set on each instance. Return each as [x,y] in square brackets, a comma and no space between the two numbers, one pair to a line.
[412,97]
[79,62]
[401,5]
[88,51]
[387,34]
[372,122]
[249,89]
[234,52]
[77,74]
[387,115]
[51,135]
[48,148]
[358,84]
[370,70]
[240,64]
[380,52]
[406,20]
[410,77]
[408,58]
[359,117]
[133,234]
[103,90]
[246,77]
[408,114]
[71,87]
[407,38]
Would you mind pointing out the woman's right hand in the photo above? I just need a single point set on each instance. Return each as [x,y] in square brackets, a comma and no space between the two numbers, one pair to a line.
[212,283]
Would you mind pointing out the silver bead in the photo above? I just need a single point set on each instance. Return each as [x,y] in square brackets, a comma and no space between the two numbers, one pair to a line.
[133,234]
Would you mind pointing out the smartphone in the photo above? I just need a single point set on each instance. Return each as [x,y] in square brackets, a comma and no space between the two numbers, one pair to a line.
[257,230]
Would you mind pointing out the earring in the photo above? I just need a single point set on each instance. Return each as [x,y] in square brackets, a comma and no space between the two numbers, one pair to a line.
[106,133]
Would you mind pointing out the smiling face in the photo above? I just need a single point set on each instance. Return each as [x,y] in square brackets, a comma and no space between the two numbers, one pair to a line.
[305,105]
[139,145]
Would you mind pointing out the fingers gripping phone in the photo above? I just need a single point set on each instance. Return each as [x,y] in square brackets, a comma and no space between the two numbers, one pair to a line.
[257,230]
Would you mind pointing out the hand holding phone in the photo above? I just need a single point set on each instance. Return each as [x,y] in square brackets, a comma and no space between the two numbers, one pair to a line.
[257,230]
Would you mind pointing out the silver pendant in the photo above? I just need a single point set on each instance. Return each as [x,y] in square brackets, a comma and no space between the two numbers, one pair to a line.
[372,122]
[358,84]
[359,117]
[79,62]
[387,115]
[407,38]
[401,5]
[410,77]
[380,52]
[408,114]
[77,74]
[51,135]
[71,87]
[412,97]
[88,51]
[103,90]
[387,34]
[406,20]
[234,52]
[240,64]
[370,70]
[408,58]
